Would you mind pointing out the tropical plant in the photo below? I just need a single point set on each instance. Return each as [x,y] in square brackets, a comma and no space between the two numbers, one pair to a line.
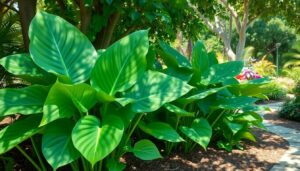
[292,58]
[218,108]
[264,67]
[86,105]
[10,33]
[74,117]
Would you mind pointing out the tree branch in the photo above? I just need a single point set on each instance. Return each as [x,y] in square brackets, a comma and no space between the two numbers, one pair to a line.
[10,7]
[103,38]
[85,16]
[209,24]
[233,13]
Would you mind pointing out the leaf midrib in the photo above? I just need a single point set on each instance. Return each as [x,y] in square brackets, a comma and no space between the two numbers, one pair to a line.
[60,55]
[122,68]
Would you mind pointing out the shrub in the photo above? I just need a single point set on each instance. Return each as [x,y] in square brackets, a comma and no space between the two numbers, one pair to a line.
[290,110]
[276,91]
[264,67]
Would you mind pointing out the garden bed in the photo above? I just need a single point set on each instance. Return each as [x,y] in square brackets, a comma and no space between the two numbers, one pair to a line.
[256,156]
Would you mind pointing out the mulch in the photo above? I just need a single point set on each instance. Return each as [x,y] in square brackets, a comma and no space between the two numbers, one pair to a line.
[261,155]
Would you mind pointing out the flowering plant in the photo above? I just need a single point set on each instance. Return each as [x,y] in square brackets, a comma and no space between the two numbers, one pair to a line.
[248,74]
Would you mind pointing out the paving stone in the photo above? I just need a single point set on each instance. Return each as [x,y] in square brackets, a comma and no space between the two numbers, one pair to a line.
[283,168]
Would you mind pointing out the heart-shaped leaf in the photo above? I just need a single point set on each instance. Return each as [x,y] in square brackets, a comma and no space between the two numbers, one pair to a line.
[200,132]
[118,68]
[57,146]
[95,140]
[28,100]
[18,132]
[153,90]
[59,47]
[146,150]
[162,131]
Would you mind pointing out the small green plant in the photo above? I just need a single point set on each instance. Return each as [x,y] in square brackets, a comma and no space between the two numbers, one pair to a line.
[291,110]
[275,91]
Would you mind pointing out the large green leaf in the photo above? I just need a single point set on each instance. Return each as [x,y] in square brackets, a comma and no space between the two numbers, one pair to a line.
[18,132]
[153,90]
[181,73]
[162,131]
[57,146]
[65,100]
[200,132]
[172,57]
[221,72]
[23,66]
[95,140]
[28,100]
[234,102]
[57,105]
[118,68]
[200,60]
[201,94]
[212,58]
[146,150]
[60,48]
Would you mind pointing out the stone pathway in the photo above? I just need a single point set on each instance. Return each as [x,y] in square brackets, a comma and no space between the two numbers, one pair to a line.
[290,161]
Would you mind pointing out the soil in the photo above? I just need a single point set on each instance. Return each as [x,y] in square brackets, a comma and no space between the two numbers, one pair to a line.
[256,156]
[261,155]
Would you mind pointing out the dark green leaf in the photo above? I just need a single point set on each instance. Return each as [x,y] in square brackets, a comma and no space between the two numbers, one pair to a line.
[57,146]
[60,48]
[162,131]
[146,150]
[200,132]
[28,100]
[153,90]
[18,132]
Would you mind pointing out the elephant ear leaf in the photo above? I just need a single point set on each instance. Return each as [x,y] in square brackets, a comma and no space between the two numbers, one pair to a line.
[60,48]
[118,68]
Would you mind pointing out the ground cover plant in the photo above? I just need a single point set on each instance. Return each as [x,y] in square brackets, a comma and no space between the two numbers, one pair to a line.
[85,105]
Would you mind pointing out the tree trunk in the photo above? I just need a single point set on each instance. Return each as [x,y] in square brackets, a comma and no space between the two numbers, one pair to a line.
[85,16]
[27,11]
[242,33]
[104,37]
[228,49]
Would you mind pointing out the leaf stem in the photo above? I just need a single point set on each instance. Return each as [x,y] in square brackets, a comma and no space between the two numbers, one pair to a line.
[216,120]
[133,128]
[38,154]
[74,166]
[28,158]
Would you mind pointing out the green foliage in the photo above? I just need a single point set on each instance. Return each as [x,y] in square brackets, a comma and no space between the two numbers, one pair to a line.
[10,33]
[263,35]
[291,110]
[276,91]
[95,122]
[291,59]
